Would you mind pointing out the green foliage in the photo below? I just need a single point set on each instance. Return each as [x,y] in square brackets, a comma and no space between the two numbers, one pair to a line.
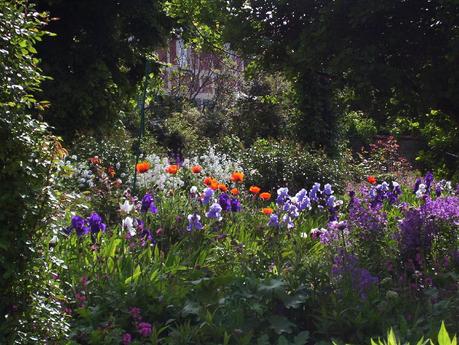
[272,164]
[441,133]
[97,59]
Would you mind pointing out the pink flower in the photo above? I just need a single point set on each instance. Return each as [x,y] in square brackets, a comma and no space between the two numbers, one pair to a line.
[144,329]
[126,338]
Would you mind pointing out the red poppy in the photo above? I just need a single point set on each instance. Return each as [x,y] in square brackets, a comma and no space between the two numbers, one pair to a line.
[172,169]
[196,169]
[142,167]
[222,187]
[265,196]
[237,176]
[235,191]
[254,189]
[267,210]
[371,179]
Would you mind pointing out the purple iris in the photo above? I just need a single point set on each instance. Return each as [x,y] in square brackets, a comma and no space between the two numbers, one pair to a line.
[225,202]
[282,196]
[328,189]
[314,191]
[302,200]
[79,224]
[273,221]
[207,196]
[95,223]
[215,212]
[416,185]
[428,179]
[148,204]
[144,329]
[194,222]
[235,205]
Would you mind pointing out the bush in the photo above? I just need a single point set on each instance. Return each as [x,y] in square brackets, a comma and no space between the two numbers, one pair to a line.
[272,164]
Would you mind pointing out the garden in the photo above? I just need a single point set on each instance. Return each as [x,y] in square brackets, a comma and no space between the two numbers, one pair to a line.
[229,172]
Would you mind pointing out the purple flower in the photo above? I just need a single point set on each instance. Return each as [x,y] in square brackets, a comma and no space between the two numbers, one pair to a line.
[235,205]
[303,201]
[282,196]
[207,196]
[328,189]
[215,212]
[79,224]
[148,204]
[313,193]
[416,185]
[135,313]
[144,329]
[126,339]
[316,232]
[273,221]
[428,179]
[194,222]
[224,201]
[95,223]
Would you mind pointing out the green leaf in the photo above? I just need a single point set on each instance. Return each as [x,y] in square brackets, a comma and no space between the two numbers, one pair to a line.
[134,277]
[263,340]
[281,324]
[271,285]
[301,338]
[443,336]
[282,341]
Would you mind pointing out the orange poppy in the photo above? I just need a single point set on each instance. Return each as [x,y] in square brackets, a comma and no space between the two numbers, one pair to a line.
[237,176]
[214,184]
[371,179]
[111,171]
[207,181]
[222,187]
[196,169]
[142,167]
[172,169]
[265,196]
[94,160]
[235,191]
[267,210]
[254,189]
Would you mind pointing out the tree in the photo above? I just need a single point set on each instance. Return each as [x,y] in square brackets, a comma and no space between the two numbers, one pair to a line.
[97,59]
[398,56]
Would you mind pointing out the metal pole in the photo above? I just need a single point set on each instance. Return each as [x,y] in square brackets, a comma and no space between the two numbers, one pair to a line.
[137,149]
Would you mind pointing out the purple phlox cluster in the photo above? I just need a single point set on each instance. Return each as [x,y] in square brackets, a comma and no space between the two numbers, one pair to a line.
[282,196]
[384,191]
[194,222]
[368,220]
[144,329]
[78,224]
[334,231]
[224,201]
[421,225]
[235,205]
[273,220]
[345,267]
[215,212]
[207,195]
[148,204]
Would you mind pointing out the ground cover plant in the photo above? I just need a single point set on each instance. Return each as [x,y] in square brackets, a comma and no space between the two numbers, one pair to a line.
[191,259]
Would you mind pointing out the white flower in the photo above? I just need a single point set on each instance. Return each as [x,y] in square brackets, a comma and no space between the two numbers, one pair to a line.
[128,224]
[304,235]
[421,190]
[193,190]
[126,207]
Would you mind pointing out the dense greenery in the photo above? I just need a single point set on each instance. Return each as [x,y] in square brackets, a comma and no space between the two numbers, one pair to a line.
[97,59]
[278,211]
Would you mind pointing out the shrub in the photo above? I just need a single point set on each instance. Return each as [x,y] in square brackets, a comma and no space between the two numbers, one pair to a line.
[272,164]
